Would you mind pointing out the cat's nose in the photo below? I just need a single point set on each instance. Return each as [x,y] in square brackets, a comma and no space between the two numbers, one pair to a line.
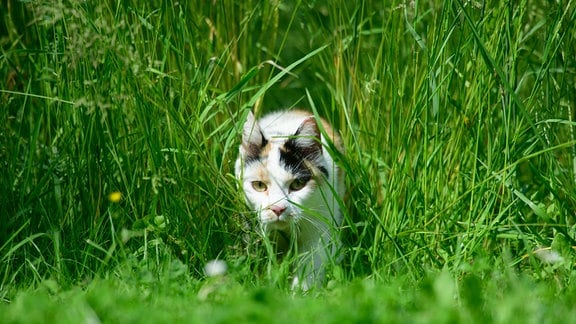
[278,210]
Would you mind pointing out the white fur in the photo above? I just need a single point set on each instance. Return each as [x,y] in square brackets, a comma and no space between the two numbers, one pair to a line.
[312,214]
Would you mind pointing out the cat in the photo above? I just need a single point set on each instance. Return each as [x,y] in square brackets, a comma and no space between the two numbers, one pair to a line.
[292,183]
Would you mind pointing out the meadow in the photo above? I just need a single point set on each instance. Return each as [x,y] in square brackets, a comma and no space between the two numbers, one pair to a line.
[120,123]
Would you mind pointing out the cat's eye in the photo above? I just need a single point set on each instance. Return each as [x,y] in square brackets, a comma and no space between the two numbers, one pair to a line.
[299,183]
[259,186]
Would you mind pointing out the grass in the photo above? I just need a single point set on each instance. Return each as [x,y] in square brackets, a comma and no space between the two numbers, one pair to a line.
[458,123]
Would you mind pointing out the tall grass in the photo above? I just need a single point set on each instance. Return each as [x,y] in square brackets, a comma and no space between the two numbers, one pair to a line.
[457,119]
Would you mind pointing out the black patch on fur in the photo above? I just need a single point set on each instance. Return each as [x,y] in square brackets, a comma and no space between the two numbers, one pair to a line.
[253,151]
[294,158]
[323,170]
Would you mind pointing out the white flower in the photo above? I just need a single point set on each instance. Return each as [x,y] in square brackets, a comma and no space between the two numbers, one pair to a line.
[548,255]
[215,268]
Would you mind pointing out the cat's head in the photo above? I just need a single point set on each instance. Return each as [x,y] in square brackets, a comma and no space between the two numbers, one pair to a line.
[281,169]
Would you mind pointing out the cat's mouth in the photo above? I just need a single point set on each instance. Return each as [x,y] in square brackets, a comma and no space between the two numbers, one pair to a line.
[273,222]
[276,223]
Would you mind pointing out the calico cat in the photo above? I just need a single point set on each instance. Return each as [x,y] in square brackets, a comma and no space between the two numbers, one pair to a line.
[293,184]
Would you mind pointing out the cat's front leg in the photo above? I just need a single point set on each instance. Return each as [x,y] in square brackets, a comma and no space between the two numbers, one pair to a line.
[311,268]
[305,281]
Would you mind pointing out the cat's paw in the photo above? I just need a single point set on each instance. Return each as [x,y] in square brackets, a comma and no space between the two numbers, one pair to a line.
[299,286]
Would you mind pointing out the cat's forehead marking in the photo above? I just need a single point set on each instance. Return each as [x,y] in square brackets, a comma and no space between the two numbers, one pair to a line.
[301,160]
[266,149]
[262,173]
[258,155]
[293,161]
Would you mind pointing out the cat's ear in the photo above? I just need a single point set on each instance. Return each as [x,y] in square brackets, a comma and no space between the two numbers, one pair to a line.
[252,138]
[307,137]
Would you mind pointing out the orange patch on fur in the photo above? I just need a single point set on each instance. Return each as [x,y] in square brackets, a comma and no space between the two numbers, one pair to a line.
[263,174]
[266,150]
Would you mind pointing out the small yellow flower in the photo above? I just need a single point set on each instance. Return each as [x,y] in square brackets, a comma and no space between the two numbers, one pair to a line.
[115,196]
[467,121]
